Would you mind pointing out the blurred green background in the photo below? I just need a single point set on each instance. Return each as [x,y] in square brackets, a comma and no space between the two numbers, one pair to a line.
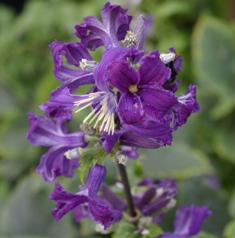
[202,157]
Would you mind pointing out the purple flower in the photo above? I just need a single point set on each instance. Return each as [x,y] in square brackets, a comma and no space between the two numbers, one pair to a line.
[188,222]
[187,104]
[85,202]
[44,132]
[75,54]
[157,199]
[142,95]
[115,23]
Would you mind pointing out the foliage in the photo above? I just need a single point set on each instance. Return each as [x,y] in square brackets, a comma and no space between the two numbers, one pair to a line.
[205,146]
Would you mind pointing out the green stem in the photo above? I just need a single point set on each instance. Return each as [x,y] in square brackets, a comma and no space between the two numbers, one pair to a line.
[127,190]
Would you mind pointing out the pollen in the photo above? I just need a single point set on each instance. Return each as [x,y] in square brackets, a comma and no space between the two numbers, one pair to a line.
[130,39]
[133,88]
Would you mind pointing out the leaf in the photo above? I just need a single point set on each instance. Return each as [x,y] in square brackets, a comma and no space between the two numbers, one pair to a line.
[178,161]
[229,230]
[28,212]
[89,157]
[125,230]
[197,191]
[213,57]
[205,235]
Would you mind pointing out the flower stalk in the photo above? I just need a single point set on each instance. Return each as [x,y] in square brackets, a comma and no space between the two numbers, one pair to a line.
[127,190]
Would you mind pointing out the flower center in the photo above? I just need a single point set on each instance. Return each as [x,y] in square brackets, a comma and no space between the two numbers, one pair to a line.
[133,88]
[130,39]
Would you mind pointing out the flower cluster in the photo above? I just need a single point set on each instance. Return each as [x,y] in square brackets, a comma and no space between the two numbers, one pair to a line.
[133,103]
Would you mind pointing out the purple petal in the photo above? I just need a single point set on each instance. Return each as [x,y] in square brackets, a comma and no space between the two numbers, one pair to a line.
[189,220]
[98,211]
[95,177]
[130,108]
[81,212]
[102,213]
[65,201]
[162,133]
[157,102]
[130,151]
[187,104]
[177,62]
[54,163]
[73,78]
[152,70]
[61,103]
[122,75]
[114,199]
[73,52]
[167,190]
[115,24]
[46,133]
[140,31]
[132,139]
[111,55]
[107,141]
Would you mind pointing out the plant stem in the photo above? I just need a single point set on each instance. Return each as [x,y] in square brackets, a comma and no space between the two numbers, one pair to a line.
[127,190]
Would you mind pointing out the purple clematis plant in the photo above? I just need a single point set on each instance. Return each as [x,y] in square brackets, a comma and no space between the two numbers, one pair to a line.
[133,104]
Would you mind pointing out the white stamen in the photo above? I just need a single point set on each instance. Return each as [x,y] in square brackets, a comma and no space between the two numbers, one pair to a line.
[167,58]
[145,232]
[122,159]
[87,64]
[171,204]
[159,192]
[130,39]
[144,221]
[71,154]
[100,113]
[100,229]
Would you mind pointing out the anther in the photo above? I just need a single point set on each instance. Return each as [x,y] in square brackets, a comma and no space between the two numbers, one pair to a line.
[167,58]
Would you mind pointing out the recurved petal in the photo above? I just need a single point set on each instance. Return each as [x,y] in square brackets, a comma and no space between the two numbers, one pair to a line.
[187,104]
[73,78]
[73,52]
[189,220]
[65,201]
[152,70]
[157,102]
[161,134]
[112,29]
[54,163]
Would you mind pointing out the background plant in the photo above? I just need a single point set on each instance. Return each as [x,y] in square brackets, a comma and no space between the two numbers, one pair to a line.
[201,31]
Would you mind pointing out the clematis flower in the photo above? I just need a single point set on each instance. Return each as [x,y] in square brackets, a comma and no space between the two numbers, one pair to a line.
[142,96]
[188,222]
[115,23]
[44,132]
[77,72]
[157,199]
[187,104]
[85,202]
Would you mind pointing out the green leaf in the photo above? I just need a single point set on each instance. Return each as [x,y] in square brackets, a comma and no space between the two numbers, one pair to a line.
[198,191]
[229,230]
[213,57]
[28,212]
[179,161]
[88,158]
[125,230]
[205,235]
